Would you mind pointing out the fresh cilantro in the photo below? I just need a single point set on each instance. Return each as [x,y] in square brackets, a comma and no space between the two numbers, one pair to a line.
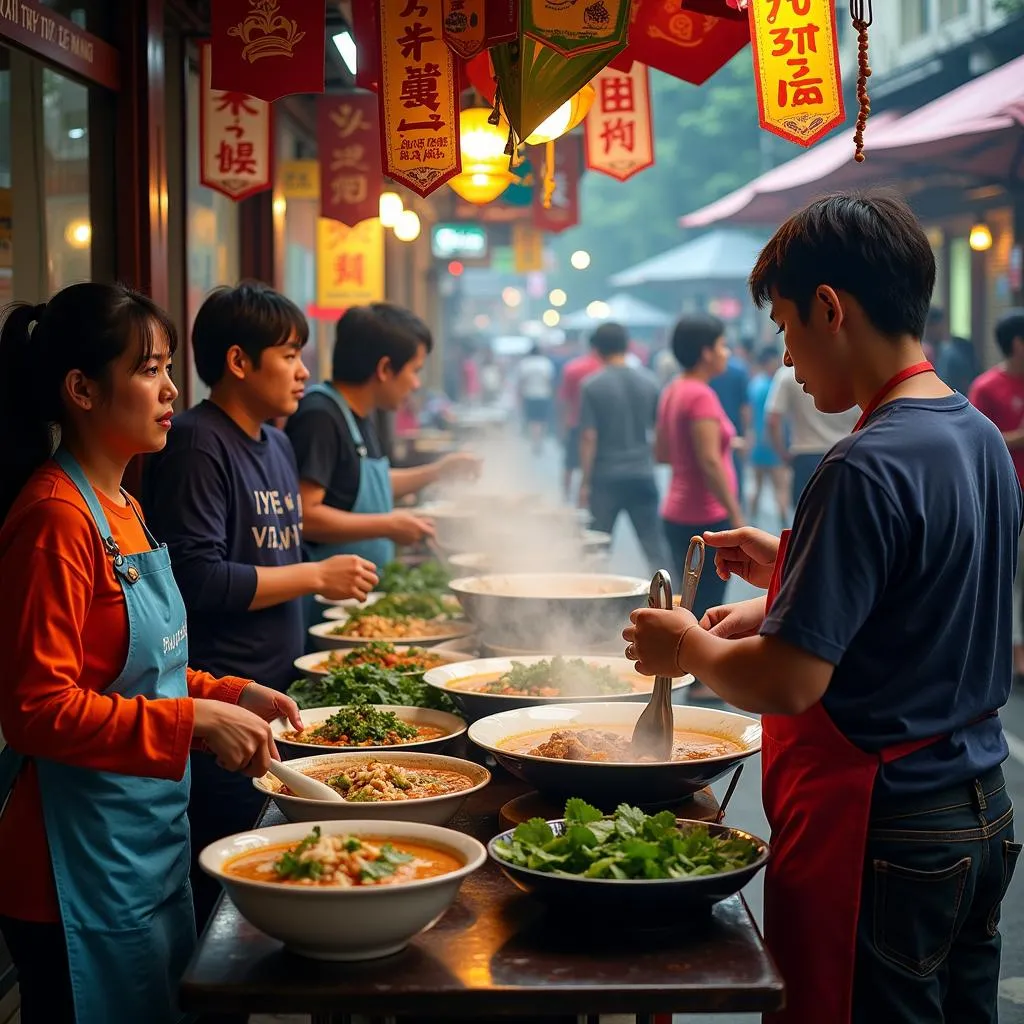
[290,865]
[367,684]
[386,864]
[629,844]
[362,723]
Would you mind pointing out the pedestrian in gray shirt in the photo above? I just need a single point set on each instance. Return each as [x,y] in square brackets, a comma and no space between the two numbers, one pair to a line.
[617,413]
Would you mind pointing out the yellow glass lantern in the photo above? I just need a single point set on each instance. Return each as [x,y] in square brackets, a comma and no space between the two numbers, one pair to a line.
[485,172]
[564,119]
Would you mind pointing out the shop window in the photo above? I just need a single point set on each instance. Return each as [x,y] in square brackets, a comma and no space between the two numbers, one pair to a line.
[915,19]
[211,241]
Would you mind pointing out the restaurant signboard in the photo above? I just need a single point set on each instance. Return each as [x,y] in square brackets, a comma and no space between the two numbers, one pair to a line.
[796,68]
[348,141]
[563,210]
[618,130]
[234,138]
[418,96]
[349,265]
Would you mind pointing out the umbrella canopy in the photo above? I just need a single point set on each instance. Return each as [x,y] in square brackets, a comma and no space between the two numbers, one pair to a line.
[724,254]
[623,309]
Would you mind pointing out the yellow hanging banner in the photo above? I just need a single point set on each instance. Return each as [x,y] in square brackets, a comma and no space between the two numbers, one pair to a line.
[528,246]
[349,265]
[299,179]
[796,68]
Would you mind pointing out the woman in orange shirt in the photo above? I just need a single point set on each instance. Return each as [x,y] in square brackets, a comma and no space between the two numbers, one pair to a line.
[97,705]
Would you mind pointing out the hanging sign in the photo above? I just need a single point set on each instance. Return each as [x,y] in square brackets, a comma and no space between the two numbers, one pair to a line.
[299,179]
[464,22]
[268,48]
[575,26]
[528,247]
[234,138]
[564,211]
[734,9]
[618,131]
[366,33]
[682,43]
[418,95]
[348,142]
[349,264]
[796,68]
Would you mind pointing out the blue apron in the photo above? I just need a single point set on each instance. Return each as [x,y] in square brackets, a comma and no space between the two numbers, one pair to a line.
[119,844]
[373,497]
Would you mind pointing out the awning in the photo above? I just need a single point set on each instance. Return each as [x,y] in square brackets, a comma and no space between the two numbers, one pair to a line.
[977,130]
[721,255]
[623,309]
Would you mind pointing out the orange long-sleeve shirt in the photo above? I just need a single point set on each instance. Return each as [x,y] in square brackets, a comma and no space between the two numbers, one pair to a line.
[64,638]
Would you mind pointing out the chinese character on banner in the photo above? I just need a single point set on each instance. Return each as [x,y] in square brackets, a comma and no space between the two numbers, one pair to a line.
[682,43]
[619,137]
[564,211]
[349,265]
[796,68]
[299,179]
[348,141]
[268,48]
[571,28]
[234,138]
[418,96]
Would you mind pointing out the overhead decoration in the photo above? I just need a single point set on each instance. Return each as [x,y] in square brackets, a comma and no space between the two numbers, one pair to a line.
[562,209]
[418,95]
[485,166]
[366,32]
[734,9]
[501,21]
[862,16]
[234,137]
[684,43]
[348,142]
[572,27]
[268,48]
[796,68]
[618,130]
[464,22]
[527,248]
[349,265]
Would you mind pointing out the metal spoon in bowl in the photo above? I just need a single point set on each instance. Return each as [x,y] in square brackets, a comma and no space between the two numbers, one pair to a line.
[655,729]
[303,785]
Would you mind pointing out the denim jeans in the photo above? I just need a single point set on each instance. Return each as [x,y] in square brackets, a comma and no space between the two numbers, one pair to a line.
[711,589]
[935,872]
[639,500]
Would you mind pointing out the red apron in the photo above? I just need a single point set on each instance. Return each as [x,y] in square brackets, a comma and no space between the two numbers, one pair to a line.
[817,788]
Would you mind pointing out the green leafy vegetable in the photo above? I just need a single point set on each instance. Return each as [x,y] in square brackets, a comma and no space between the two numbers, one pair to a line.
[367,684]
[361,723]
[423,605]
[430,577]
[559,677]
[628,844]
[289,864]
[387,863]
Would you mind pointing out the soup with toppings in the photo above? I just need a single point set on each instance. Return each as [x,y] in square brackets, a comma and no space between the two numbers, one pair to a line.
[377,781]
[612,744]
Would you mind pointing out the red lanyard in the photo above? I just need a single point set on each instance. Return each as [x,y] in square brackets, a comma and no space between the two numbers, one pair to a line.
[888,387]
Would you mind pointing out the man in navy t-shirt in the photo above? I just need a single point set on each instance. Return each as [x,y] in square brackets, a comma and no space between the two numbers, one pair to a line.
[224,496]
[882,653]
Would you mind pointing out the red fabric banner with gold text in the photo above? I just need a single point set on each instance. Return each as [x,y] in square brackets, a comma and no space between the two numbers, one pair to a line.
[564,212]
[348,140]
[268,48]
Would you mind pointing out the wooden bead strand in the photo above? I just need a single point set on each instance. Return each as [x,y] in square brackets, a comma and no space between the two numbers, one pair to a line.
[862,16]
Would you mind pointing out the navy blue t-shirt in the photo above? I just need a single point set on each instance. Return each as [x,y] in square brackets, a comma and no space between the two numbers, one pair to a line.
[900,573]
[225,503]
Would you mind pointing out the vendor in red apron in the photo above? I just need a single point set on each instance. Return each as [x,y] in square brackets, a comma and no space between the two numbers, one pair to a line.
[97,705]
[882,652]
[348,486]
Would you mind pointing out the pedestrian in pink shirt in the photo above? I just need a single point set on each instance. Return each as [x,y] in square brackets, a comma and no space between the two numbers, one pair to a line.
[999,394]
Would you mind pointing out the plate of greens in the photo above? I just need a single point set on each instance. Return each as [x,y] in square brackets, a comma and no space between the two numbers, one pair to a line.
[367,684]
[646,866]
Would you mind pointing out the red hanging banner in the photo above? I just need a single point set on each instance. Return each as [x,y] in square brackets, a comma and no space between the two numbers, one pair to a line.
[734,9]
[268,48]
[501,21]
[418,96]
[348,141]
[618,130]
[564,211]
[682,43]
[366,31]
[464,22]
[234,137]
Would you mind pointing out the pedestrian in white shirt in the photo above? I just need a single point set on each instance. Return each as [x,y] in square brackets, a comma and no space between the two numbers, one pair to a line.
[536,392]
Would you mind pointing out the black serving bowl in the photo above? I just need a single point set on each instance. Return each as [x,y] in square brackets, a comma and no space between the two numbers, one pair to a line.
[646,902]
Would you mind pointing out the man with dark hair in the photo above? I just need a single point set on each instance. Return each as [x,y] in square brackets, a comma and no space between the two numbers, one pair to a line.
[224,496]
[881,654]
[347,484]
[999,394]
[617,410]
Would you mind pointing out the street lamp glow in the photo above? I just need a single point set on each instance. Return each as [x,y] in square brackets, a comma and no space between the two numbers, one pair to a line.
[481,321]
[511,297]
[598,310]
[390,206]
[557,297]
[580,259]
[551,317]
[407,226]
[981,238]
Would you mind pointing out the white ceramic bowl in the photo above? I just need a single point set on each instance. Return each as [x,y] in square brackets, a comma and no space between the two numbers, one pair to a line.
[324,640]
[351,602]
[453,726]
[359,923]
[475,705]
[432,810]
[607,783]
[307,663]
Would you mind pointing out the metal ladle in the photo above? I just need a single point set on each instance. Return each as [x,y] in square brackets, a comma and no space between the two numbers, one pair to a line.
[655,729]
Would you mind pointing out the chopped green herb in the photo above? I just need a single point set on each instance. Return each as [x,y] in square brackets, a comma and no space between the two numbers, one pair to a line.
[360,723]
[367,684]
[289,864]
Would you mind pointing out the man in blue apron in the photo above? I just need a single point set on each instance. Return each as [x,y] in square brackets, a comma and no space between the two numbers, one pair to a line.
[348,486]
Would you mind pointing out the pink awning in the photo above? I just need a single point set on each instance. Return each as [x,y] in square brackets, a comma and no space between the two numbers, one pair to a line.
[972,130]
